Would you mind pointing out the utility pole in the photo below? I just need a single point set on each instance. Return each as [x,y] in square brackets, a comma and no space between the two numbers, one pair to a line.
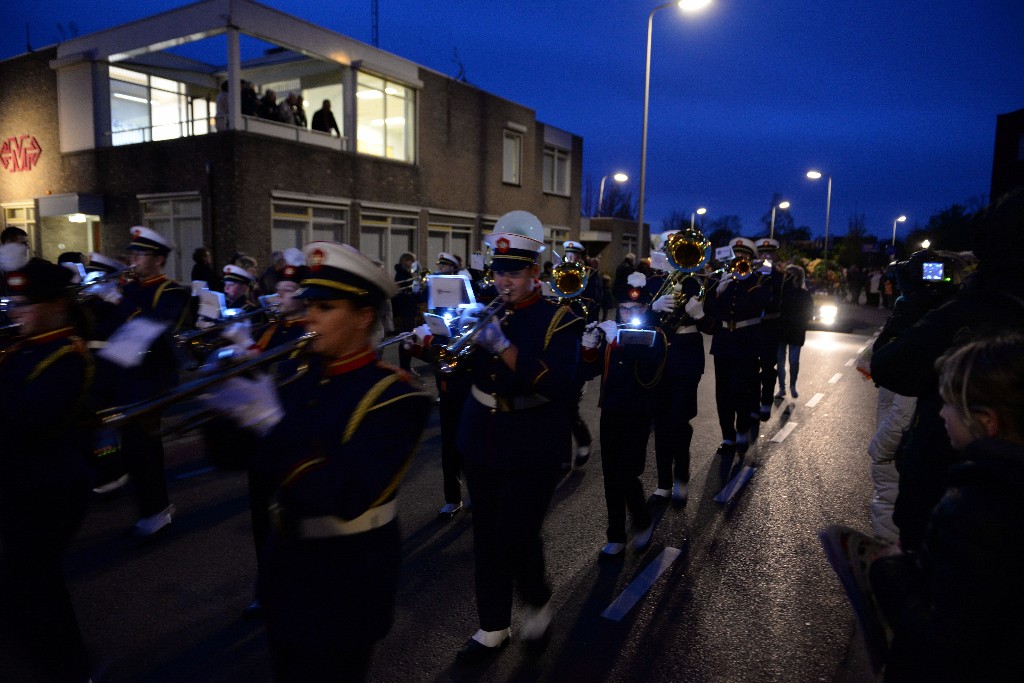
[375,21]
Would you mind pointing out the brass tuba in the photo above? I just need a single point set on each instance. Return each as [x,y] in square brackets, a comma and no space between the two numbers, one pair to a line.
[686,251]
[569,279]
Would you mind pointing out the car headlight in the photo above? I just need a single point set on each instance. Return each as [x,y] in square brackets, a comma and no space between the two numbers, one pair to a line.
[827,314]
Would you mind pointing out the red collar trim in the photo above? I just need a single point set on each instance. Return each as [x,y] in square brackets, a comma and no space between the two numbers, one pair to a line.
[534,297]
[351,362]
[52,335]
[293,322]
[155,280]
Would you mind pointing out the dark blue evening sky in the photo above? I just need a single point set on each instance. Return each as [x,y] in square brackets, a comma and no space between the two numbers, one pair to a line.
[896,100]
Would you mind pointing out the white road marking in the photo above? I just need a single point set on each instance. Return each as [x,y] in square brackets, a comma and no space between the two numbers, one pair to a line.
[735,484]
[835,378]
[194,473]
[814,400]
[640,585]
[851,362]
[861,349]
[781,435]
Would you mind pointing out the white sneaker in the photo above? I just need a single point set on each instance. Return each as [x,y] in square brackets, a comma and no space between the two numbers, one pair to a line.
[662,493]
[582,455]
[147,526]
[680,490]
[111,485]
[536,621]
[613,548]
[449,510]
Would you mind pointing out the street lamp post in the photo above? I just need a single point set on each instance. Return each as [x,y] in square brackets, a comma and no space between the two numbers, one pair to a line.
[901,219]
[619,178]
[816,175]
[693,216]
[686,6]
[781,205]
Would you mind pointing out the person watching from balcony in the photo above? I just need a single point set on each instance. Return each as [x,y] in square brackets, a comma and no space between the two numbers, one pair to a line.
[268,107]
[323,119]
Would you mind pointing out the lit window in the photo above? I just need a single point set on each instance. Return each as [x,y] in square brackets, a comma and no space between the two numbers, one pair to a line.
[385,118]
[556,171]
[513,158]
[145,108]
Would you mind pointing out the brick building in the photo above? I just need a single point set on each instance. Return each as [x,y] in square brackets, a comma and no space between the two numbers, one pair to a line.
[121,127]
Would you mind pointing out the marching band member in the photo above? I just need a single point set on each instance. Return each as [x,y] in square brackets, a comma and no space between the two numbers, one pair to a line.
[238,288]
[771,277]
[154,297]
[405,304]
[522,372]
[630,374]
[676,405]
[586,305]
[290,322]
[736,303]
[452,392]
[44,476]
[336,442]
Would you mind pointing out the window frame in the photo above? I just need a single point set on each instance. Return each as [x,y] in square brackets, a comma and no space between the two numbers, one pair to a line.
[560,158]
[516,137]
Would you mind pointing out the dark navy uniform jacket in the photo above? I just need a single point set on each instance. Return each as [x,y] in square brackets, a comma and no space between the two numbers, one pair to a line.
[349,432]
[742,301]
[43,411]
[280,332]
[774,281]
[685,351]
[548,337]
[629,373]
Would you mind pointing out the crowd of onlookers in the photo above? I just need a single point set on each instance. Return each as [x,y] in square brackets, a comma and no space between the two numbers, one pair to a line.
[289,110]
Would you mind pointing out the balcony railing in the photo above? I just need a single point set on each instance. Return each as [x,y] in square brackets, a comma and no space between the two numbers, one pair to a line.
[251,124]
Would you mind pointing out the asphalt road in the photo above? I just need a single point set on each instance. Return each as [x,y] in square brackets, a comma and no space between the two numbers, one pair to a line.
[736,591]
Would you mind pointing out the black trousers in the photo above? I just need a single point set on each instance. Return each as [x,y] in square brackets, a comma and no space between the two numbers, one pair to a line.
[449,412]
[624,438]
[677,405]
[144,457]
[508,513]
[580,430]
[735,394]
[35,605]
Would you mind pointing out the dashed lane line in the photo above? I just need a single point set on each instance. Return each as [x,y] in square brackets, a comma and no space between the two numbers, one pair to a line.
[850,362]
[781,435]
[814,400]
[835,378]
[640,585]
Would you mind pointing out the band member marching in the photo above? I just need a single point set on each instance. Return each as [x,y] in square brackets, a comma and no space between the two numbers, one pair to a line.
[736,302]
[45,478]
[336,442]
[683,321]
[630,373]
[582,294]
[522,372]
[772,277]
[155,298]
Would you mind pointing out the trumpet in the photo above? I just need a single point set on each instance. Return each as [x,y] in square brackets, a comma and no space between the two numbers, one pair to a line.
[419,278]
[83,288]
[452,354]
[202,341]
[119,415]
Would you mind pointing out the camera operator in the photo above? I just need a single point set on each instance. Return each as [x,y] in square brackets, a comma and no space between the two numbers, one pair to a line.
[990,301]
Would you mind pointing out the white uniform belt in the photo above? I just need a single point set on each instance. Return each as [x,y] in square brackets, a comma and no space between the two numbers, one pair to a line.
[507,405]
[737,324]
[96,344]
[771,316]
[330,526]
[686,329]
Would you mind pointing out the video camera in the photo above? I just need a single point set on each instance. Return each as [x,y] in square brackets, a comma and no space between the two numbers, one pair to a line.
[927,273]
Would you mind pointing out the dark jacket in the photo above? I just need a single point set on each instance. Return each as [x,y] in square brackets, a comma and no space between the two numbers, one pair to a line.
[955,609]
[796,314]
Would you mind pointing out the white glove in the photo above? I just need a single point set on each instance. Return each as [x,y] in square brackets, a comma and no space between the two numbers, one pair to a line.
[694,308]
[415,286]
[240,334]
[252,403]
[610,330]
[665,304]
[108,291]
[724,284]
[591,336]
[492,338]
[421,337]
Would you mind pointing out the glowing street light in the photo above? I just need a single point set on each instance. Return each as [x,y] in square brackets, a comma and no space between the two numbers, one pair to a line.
[781,205]
[926,244]
[816,175]
[686,6]
[619,178]
[901,219]
[693,216]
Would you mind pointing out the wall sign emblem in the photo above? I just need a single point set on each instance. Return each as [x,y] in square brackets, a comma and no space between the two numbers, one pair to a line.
[20,153]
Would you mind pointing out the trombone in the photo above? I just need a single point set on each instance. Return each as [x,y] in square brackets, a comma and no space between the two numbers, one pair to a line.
[119,415]
[686,251]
